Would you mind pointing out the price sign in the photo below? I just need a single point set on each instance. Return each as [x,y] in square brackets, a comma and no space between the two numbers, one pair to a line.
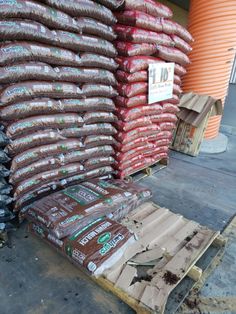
[160,82]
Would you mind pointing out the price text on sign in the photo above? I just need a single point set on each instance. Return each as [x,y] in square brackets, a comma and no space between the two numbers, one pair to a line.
[161,81]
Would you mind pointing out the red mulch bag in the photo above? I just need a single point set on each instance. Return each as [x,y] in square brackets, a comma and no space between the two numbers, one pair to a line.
[139,36]
[167,126]
[14,52]
[180,70]
[164,117]
[84,8]
[133,124]
[135,113]
[181,44]
[135,64]
[128,49]
[140,20]
[77,43]
[169,108]
[177,80]
[131,90]
[45,177]
[172,55]
[163,142]
[99,117]
[17,29]
[177,90]
[127,102]
[121,157]
[171,27]
[126,137]
[37,153]
[111,4]
[94,163]
[156,151]
[160,136]
[128,163]
[99,140]
[58,121]
[41,106]
[174,100]
[90,26]
[145,162]
[28,141]
[140,141]
[27,71]
[34,11]
[150,7]
[90,129]
[125,77]
[93,60]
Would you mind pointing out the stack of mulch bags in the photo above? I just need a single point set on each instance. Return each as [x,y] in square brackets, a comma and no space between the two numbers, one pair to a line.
[57,85]
[146,34]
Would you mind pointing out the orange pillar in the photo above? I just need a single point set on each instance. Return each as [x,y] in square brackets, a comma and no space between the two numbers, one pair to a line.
[212,24]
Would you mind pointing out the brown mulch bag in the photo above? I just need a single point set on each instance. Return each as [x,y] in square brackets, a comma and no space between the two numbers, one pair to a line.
[99,117]
[28,141]
[35,123]
[96,90]
[111,4]
[51,106]
[94,163]
[99,140]
[90,129]
[97,61]
[37,12]
[17,29]
[15,52]
[84,8]
[32,89]
[85,43]
[37,153]
[45,177]
[91,26]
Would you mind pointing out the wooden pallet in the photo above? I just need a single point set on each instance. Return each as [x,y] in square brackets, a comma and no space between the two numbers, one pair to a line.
[167,251]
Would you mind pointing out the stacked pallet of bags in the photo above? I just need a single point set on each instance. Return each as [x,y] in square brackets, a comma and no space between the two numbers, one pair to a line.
[57,85]
[146,35]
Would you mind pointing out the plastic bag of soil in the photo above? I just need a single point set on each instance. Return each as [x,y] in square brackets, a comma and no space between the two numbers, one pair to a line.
[169,108]
[83,75]
[126,137]
[139,36]
[98,140]
[83,203]
[164,117]
[101,251]
[5,200]
[97,61]
[37,153]
[131,90]
[111,4]
[85,43]
[17,29]
[156,151]
[125,77]
[177,80]
[36,123]
[129,49]
[139,112]
[32,89]
[4,172]
[99,117]
[44,177]
[133,124]
[163,142]
[94,163]
[177,90]
[174,100]
[181,44]
[135,64]
[6,215]
[98,90]
[84,8]
[160,136]
[11,53]
[90,129]
[3,157]
[172,55]
[4,140]
[135,167]
[129,102]
[46,106]
[38,12]
[140,150]
[171,27]
[167,126]
[131,145]
[90,26]
[148,6]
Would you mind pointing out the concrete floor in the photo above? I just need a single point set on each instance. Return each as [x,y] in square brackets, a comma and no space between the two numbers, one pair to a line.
[34,279]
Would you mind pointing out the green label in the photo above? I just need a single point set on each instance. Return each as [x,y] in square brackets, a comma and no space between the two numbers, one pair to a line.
[104,238]
[82,194]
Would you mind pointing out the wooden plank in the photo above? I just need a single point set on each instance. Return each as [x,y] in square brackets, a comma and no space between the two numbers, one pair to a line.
[126,277]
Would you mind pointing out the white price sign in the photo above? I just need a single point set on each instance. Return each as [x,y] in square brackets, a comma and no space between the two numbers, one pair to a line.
[160,82]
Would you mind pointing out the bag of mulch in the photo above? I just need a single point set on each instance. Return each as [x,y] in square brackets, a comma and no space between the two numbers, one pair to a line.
[139,36]
[90,129]
[148,6]
[98,90]
[15,52]
[126,137]
[177,80]
[169,108]
[3,157]
[111,4]
[33,154]
[140,141]
[160,136]
[84,8]
[156,151]
[36,123]
[4,140]
[97,61]
[164,117]
[27,71]
[174,100]
[172,55]
[128,163]
[5,200]
[128,102]
[6,215]
[90,26]
[4,172]
[133,124]
[99,117]
[131,90]
[180,70]
[88,104]
[94,163]
[167,126]
[181,44]
[98,140]
[135,167]
[135,64]
[44,177]
[84,203]
[32,89]
[140,150]
[163,142]
[125,77]
[129,49]
[139,112]
[170,27]
[43,137]
[83,75]
[34,11]
[177,89]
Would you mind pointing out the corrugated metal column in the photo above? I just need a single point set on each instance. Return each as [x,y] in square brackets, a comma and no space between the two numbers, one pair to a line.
[213,25]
